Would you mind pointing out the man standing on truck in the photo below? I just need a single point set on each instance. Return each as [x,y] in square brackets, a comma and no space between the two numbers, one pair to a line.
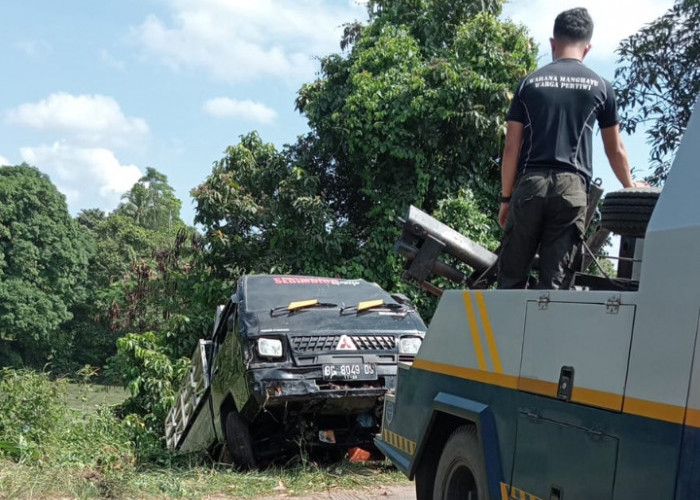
[547,165]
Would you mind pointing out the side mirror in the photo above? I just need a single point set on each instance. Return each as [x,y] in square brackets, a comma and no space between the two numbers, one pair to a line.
[217,318]
[402,299]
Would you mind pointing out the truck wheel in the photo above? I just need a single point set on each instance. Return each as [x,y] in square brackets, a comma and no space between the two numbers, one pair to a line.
[425,480]
[627,212]
[461,473]
[239,442]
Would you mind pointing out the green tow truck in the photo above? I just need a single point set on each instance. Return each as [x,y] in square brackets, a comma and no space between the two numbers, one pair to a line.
[589,393]
[294,362]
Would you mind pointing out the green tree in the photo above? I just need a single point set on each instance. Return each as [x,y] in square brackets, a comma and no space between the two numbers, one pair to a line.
[412,114]
[263,212]
[124,242]
[147,219]
[658,81]
[151,202]
[43,262]
[408,118]
[166,306]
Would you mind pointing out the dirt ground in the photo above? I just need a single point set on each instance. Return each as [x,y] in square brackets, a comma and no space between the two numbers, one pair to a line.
[404,492]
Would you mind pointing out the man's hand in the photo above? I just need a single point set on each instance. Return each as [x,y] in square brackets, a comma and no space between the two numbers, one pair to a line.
[639,184]
[503,214]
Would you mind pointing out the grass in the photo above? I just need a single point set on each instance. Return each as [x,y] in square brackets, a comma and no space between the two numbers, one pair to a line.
[88,397]
[89,454]
[21,481]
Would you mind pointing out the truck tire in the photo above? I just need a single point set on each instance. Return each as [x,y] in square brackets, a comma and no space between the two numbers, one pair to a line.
[240,444]
[461,473]
[627,212]
[425,480]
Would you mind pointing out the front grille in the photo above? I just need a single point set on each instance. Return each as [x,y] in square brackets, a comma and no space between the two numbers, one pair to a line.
[320,343]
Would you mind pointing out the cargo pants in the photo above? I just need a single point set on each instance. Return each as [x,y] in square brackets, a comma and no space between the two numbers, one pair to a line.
[547,213]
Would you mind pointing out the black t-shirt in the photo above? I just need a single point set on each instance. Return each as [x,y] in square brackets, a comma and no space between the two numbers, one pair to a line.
[558,105]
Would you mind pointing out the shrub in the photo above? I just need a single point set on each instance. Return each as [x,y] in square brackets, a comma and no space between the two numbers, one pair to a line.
[37,426]
[31,407]
[152,379]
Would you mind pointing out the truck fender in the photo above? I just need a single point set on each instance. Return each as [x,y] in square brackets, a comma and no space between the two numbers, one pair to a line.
[219,418]
[450,412]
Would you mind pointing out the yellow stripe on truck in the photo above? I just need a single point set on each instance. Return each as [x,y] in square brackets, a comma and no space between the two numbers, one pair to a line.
[658,411]
[399,442]
[490,339]
[692,417]
[498,379]
[476,338]
[632,406]
[581,395]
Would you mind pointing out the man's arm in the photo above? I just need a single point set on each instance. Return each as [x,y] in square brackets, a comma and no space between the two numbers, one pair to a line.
[509,165]
[617,156]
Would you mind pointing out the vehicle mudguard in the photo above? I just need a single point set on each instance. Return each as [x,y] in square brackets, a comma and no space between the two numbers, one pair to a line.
[468,412]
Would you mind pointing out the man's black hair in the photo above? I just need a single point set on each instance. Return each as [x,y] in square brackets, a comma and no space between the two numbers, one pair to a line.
[574,25]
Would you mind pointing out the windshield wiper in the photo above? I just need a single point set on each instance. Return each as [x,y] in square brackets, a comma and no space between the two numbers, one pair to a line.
[301,304]
[372,304]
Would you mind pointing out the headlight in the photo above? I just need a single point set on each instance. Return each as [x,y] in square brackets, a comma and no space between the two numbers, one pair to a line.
[409,345]
[270,348]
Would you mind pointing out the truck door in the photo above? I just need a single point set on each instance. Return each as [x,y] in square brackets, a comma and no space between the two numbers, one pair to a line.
[228,375]
[221,372]
[572,375]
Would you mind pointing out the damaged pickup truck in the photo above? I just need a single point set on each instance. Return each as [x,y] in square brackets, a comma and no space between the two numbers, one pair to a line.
[294,362]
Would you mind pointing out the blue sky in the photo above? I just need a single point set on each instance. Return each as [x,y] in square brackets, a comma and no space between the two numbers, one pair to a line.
[94,91]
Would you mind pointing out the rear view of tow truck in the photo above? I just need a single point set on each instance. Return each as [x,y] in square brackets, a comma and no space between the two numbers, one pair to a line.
[589,393]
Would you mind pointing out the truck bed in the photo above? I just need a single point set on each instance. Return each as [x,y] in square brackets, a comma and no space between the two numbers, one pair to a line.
[190,400]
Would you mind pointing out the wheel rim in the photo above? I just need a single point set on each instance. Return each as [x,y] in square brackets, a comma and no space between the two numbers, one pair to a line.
[460,483]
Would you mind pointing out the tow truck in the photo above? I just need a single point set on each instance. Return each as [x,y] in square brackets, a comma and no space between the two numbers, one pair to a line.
[588,393]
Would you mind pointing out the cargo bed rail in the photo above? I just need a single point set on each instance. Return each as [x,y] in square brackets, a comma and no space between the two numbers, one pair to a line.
[192,392]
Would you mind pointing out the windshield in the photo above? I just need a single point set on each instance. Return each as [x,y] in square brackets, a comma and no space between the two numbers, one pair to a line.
[264,293]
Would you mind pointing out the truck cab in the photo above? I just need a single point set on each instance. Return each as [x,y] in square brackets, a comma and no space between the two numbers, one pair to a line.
[588,393]
[298,362]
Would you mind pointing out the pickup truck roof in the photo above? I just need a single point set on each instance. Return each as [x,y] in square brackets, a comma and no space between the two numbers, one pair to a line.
[265,292]
[265,300]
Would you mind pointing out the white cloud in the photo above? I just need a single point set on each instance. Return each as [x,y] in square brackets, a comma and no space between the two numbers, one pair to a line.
[33,48]
[112,61]
[4,161]
[89,177]
[239,40]
[225,107]
[614,20]
[90,118]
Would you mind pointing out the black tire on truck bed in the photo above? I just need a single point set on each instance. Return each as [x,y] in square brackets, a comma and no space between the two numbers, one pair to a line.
[627,212]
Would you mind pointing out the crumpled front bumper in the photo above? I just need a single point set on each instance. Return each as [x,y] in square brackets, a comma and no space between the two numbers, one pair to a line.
[281,386]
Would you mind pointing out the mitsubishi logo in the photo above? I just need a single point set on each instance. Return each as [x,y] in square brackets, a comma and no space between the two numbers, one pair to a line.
[346,344]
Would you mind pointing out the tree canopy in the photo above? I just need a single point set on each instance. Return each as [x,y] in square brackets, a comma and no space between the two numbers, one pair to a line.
[412,112]
[409,118]
[151,203]
[128,244]
[263,213]
[43,262]
[658,81]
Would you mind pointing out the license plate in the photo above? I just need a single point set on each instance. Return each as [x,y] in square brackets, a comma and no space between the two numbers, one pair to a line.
[349,371]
